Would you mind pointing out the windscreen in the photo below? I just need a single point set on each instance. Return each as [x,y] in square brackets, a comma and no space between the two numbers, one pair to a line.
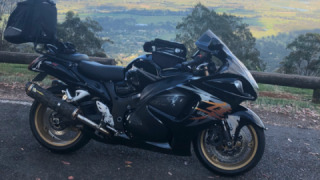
[209,42]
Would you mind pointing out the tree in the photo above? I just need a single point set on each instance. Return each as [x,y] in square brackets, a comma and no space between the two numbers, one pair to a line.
[83,34]
[304,58]
[235,34]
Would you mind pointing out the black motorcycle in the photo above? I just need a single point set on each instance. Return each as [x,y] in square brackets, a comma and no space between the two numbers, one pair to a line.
[159,102]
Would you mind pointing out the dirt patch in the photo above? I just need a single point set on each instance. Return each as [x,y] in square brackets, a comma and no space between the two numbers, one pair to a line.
[279,95]
[288,116]
[13,91]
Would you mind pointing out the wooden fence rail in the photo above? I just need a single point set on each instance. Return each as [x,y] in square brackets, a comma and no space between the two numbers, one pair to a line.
[261,77]
[305,82]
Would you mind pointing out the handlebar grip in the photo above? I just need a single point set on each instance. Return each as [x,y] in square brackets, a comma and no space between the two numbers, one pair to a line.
[197,60]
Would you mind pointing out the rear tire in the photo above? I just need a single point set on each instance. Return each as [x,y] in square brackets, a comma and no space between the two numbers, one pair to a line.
[230,165]
[57,138]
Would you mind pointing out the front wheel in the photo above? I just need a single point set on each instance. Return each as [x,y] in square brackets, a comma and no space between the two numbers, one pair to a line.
[225,160]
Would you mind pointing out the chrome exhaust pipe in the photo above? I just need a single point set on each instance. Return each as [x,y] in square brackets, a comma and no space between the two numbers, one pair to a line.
[90,123]
[65,109]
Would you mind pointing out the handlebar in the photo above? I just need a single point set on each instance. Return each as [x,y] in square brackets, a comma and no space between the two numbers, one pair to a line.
[196,61]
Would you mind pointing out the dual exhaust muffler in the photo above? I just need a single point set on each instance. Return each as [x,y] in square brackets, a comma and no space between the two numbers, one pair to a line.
[60,106]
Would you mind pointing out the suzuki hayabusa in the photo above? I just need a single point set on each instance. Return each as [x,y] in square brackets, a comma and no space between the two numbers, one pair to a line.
[160,102]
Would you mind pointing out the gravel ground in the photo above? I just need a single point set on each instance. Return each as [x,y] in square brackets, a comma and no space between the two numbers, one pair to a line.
[291,153]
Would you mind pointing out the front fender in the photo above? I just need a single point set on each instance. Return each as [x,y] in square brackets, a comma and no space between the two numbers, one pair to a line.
[248,115]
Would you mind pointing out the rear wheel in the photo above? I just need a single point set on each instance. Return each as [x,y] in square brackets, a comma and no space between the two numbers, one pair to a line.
[226,160]
[53,131]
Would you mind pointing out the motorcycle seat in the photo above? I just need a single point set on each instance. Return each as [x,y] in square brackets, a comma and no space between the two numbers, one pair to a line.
[76,57]
[99,71]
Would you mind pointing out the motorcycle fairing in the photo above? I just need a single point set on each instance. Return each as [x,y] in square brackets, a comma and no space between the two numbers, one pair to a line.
[143,121]
[222,86]
[153,122]
[68,72]
[58,70]
[204,111]
[162,85]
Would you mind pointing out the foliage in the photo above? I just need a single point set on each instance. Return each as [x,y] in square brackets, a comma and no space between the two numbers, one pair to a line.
[6,6]
[129,31]
[83,34]
[235,34]
[304,58]
[273,48]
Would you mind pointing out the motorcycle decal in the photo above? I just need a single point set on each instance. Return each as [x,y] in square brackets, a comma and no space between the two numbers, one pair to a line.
[216,110]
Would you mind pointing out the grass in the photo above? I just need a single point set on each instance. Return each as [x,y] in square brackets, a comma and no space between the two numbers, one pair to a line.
[263,101]
[305,96]
[10,73]
[284,89]
[15,73]
[284,105]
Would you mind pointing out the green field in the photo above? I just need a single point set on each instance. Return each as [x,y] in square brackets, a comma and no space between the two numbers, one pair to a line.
[294,97]
[306,93]
[145,19]
[11,73]
[265,17]
[15,73]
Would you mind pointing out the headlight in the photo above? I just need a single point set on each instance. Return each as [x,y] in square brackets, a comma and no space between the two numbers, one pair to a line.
[238,85]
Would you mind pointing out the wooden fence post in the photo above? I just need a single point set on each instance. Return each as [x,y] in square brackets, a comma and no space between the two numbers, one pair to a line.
[316,96]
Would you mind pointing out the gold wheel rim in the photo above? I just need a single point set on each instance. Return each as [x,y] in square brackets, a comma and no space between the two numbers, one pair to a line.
[225,166]
[44,132]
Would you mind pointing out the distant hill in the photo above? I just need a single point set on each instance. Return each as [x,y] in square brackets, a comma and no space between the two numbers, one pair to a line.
[129,23]
[265,17]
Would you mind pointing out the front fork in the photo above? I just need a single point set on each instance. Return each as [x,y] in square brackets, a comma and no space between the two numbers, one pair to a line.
[230,139]
[227,133]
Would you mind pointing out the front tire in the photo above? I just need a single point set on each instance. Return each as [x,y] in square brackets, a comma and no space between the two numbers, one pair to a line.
[226,162]
[58,138]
